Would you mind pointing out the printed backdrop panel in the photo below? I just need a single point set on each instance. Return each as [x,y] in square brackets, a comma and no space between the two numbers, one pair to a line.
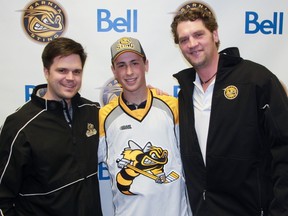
[257,27]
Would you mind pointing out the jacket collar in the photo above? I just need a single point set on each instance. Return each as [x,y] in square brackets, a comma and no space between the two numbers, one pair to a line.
[229,58]
[40,90]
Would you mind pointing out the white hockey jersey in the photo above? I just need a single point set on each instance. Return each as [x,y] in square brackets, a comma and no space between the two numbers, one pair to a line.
[141,150]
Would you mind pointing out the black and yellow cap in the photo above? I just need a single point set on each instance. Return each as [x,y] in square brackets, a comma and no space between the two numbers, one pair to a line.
[126,44]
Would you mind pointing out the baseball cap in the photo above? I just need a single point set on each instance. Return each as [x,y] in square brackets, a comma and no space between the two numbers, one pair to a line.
[126,44]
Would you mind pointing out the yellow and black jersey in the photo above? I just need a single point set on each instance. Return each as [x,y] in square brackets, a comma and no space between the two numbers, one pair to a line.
[141,151]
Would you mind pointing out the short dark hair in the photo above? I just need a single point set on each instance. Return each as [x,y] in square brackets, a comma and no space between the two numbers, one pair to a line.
[192,15]
[62,47]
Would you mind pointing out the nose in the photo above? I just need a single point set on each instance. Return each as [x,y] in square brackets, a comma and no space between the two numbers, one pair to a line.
[70,75]
[192,42]
[129,70]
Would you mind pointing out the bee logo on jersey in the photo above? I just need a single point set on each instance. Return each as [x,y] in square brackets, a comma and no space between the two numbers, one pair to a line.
[231,92]
[148,161]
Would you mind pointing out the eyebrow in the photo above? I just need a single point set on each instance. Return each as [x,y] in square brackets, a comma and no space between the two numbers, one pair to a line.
[123,62]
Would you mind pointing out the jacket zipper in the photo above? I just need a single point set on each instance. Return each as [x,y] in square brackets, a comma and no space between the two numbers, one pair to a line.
[259,191]
[204,195]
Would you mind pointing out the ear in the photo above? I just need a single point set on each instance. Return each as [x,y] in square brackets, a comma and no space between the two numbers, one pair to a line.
[113,70]
[215,36]
[146,65]
[46,73]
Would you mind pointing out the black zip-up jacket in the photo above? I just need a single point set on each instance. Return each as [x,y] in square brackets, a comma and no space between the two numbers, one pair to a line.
[48,168]
[246,172]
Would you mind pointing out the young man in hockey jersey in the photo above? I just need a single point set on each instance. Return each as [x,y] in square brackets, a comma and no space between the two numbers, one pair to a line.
[139,141]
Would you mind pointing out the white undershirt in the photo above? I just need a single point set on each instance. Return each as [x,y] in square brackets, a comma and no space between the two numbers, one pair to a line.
[202,109]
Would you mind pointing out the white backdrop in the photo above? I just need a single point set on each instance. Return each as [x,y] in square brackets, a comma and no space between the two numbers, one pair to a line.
[258,27]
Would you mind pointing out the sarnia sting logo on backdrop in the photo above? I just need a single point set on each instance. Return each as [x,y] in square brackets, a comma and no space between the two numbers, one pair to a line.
[44,21]
[111,90]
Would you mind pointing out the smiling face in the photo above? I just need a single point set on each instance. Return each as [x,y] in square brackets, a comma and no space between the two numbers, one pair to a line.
[197,43]
[129,69]
[64,78]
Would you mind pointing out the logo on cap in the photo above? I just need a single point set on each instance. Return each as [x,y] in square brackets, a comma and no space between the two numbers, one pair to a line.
[126,44]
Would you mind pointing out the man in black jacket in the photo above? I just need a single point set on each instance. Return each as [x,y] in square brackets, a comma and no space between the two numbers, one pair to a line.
[233,124]
[48,147]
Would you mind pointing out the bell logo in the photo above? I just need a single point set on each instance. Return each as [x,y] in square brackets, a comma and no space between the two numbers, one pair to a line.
[176,89]
[119,24]
[103,172]
[253,25]
[28,91]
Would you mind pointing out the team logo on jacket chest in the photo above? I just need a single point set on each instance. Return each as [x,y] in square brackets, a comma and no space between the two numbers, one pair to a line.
[231,92]
[90,130]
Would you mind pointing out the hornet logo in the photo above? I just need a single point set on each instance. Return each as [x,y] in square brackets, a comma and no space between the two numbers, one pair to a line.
[149,161]
[44,20]
[111,90]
